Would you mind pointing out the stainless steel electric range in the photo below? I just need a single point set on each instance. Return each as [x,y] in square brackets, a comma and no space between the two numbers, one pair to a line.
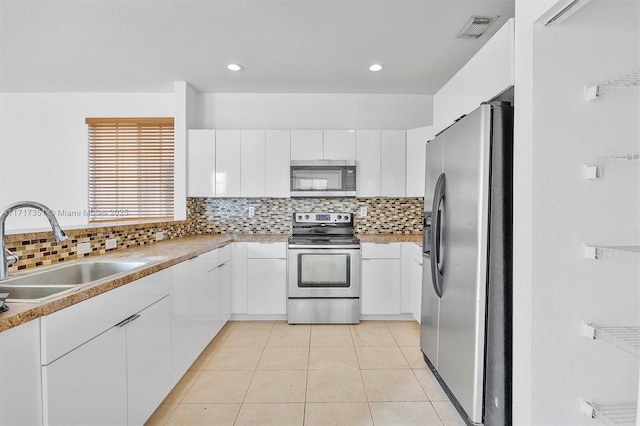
[324,264]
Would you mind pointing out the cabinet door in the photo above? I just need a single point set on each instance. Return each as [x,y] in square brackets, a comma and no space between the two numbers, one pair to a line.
[21,393]
[88,386]
[278,156]
[416,154]
[218,320]
[380,286]
[415,290]
[411,279]
[201,163]
[368,160]
[239,276]
[447,103]
[307,145]
[339,145]
[252,163]
[267,284]
[225,291]
[148,361]
[491,71]
[227,163]
[204,302]
[181,320]
[392,164]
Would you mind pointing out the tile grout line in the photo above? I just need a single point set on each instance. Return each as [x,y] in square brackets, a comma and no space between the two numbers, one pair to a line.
[253,375]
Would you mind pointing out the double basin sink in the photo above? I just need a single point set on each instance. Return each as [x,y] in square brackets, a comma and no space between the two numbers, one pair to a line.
[39,286]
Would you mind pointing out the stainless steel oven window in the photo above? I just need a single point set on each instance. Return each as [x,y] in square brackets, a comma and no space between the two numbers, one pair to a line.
[324,270]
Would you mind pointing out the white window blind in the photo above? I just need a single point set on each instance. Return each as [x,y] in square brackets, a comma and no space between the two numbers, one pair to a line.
[131,168]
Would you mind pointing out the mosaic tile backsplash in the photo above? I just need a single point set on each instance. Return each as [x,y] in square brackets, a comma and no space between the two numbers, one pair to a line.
[43,251]
[273,215]
[218,216]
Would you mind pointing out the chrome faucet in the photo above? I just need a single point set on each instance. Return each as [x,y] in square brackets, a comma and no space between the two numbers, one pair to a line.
[10,259]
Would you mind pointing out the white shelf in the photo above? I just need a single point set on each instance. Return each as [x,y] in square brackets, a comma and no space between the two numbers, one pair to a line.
[594,91]
[626,338]
[631,252]
[611,414]
[594,170]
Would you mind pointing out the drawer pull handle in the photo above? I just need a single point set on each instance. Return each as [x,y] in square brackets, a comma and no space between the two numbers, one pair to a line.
[128,320]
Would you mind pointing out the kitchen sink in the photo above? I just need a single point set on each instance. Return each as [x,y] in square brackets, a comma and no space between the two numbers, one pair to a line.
[41,285]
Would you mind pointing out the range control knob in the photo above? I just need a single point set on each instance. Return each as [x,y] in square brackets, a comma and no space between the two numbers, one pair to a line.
[339,217]
[306,216]
[299,217]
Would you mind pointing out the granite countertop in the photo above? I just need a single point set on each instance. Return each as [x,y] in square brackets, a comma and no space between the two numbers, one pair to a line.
[158,256]
[391,238]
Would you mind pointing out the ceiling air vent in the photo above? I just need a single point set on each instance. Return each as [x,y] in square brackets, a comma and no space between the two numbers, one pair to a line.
[475,27]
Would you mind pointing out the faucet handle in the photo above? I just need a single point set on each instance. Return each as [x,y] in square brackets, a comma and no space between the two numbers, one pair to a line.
[3,297]
[11,258]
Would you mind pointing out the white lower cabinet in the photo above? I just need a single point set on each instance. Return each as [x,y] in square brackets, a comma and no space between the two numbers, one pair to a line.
[267,278]
[113,358]
[181,320]
[411,291]
[225,276]
[148,361]
[118,377]
[89,384]
[205,289]
[239,291]
[267,284]
[200,306]
[20,375]
[380,279]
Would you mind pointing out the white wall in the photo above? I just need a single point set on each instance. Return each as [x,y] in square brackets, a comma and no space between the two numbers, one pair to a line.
[599,42]
[313,111]
[526,12]
[43,146]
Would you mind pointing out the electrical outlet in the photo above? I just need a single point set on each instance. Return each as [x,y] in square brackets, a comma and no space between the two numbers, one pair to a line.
[363,211]
[110,243]
[159,236]
[83,248]
[252,211]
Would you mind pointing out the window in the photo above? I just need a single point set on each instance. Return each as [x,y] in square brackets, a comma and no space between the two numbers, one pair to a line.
[130,168]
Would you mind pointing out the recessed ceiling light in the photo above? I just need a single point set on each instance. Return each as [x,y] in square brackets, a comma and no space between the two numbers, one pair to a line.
[235,67]
[375,67]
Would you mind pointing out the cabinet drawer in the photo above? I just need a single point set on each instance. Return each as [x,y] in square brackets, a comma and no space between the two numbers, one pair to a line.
[224,254]
[381,250]
[70,327]
[267,250]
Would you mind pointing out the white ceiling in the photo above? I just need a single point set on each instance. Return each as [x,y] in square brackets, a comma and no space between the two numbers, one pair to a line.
[298,46]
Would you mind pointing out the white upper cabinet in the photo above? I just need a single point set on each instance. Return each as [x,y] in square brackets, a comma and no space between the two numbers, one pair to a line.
[307,145]
[491,71]
[447,103]
[201,163]
[392,163]
[278,151]
[228,163]
[488,74]
[253,161]
[339,145]
[416,153]
[368,163]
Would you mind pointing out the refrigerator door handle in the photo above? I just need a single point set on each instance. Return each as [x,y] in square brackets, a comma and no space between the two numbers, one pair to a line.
[436,241]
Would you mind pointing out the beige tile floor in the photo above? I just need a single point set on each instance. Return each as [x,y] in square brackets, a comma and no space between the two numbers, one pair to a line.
[272,373]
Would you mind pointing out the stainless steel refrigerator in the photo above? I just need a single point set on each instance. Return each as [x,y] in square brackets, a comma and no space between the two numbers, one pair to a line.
[465,331]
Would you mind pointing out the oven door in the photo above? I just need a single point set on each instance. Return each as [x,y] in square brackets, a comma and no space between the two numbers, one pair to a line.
[323,272]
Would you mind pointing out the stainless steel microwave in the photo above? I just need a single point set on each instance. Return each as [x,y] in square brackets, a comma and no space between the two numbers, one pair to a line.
[323,178]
